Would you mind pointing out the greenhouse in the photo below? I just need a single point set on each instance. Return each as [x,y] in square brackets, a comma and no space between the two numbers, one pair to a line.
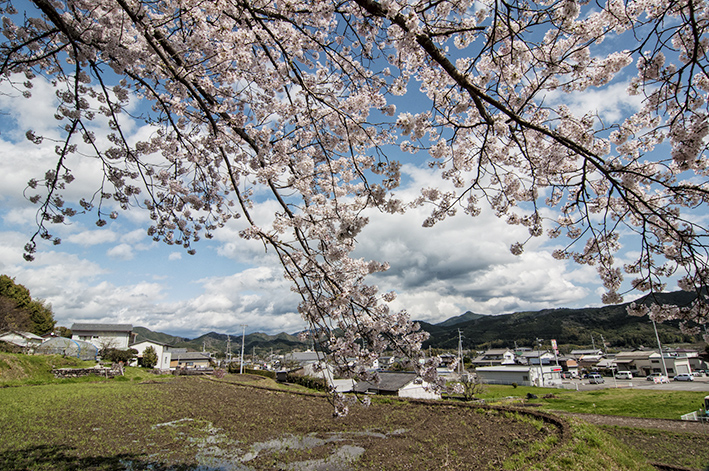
[68,347]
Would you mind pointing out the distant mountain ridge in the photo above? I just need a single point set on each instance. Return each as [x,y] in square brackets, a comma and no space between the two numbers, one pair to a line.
[467,316]
[582,327]
[214,342]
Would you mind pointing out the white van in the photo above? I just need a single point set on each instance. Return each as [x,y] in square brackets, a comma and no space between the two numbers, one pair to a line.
[624,375]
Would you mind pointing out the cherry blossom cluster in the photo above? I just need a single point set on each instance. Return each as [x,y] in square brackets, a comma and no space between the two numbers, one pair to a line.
[295,100]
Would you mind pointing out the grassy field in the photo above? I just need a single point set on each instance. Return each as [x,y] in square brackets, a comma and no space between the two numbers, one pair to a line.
[144,421]
[645,403]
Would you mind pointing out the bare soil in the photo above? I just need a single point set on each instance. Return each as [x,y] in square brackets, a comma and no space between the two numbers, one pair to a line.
[191,423]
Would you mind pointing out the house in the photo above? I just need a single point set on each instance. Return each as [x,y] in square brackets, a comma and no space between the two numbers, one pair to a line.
[118,336]
[24,340]
[163,351]
[534,358]
[494,357]
[695,362]
[570,365]
[401,384]
[589,361]
[190,360]
[304,358]
[544,376]
[644,362]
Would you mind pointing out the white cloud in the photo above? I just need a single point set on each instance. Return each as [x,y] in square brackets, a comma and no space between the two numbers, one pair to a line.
[611,103]
[121,252]
[94,237]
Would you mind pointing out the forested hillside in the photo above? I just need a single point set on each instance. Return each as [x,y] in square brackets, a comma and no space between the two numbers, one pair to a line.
[566,326]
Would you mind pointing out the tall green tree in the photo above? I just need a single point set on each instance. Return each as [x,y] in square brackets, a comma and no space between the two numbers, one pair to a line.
[150,357]
[18,311]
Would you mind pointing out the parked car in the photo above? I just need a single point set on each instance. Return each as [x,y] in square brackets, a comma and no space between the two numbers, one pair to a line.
[595,378]
[624,375]
[657,377]
[684,377]
[565,375]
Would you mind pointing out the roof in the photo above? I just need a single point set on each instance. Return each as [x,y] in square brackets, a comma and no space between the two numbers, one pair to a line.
[388,381]
[497,351]
[162,344]
[190,356]
[20,333]
[587,352]
[102,328]
[305,356]
[535,354]
[636,355]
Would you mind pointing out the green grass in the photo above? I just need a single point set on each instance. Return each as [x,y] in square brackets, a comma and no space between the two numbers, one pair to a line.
[590,449]
[23,370]
[645,403]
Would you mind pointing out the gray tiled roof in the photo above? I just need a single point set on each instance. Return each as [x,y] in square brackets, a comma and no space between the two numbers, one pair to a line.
[101,328]
[390,382]
[190,356]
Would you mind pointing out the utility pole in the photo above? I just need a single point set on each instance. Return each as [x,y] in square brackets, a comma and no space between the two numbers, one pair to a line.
[460,352]
[539,359]
[659,345]
[243,340]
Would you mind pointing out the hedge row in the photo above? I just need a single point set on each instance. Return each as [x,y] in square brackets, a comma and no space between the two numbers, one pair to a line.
[308,381]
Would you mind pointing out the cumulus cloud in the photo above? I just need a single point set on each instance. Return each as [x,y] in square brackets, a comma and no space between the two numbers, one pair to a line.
[94,237]
[461,264]
[121,252]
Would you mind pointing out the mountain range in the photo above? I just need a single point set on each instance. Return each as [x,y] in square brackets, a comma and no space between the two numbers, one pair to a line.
[569,327]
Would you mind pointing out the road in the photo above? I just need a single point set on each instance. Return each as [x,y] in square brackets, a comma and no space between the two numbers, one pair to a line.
[699,384]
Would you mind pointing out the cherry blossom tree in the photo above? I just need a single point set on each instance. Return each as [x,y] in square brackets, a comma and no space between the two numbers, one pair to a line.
[297,99]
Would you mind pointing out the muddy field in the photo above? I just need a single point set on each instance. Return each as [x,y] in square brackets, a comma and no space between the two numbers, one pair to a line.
[192,423]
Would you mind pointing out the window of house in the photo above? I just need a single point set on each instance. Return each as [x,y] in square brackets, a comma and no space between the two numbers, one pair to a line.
[525,378]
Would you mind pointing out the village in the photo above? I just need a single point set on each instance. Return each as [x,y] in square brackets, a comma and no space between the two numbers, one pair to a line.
[580,369]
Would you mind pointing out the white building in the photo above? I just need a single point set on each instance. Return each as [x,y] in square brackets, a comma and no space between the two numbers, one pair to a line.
[544,376]
[116,336]
[163,351]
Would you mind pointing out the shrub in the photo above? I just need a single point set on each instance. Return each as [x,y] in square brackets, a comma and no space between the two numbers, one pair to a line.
[150,357]
[265,373]
[308,381]
[115,355]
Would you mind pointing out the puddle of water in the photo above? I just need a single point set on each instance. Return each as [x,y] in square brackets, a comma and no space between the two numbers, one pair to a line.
[216,452]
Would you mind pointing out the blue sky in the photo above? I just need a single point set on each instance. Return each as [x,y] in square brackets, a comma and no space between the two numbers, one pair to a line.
[117,274]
